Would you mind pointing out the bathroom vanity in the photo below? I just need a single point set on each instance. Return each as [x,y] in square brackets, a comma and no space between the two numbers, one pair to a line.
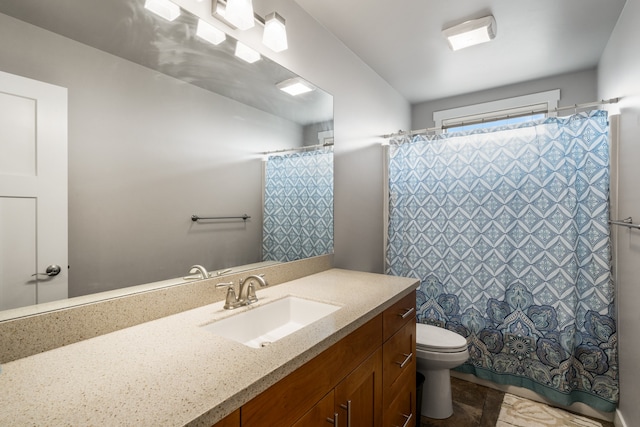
[366,378]
[357,362]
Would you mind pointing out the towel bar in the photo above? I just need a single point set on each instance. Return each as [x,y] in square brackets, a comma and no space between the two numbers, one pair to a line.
[242,217]
[627,222]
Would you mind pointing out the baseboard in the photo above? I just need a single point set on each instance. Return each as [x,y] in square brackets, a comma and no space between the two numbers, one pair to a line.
[618,421]
[578,408]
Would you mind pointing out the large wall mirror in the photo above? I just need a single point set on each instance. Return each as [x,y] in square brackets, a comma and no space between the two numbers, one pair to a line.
[163,125]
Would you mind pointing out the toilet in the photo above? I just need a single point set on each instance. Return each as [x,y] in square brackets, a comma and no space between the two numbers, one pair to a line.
[438,350]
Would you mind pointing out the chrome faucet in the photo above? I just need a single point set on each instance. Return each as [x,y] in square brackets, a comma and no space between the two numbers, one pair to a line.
[198,271]
[246,294]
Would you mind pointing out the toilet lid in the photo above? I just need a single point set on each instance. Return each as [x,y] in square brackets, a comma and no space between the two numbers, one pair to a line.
[433,338]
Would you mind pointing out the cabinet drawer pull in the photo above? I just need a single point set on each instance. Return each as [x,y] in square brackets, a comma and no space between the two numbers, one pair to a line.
[407,313]
[347,407]
[333,420]
[406,360]
[408,418]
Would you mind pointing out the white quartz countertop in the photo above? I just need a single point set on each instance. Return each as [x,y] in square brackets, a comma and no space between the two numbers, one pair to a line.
[172,372]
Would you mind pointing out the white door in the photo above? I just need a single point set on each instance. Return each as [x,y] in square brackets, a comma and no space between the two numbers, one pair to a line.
[33,192]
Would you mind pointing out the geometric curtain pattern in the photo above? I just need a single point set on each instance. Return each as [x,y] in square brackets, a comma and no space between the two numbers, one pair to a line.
[507,229]
[298,206]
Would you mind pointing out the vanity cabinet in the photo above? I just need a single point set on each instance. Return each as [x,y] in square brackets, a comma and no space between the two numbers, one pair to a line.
[365,379]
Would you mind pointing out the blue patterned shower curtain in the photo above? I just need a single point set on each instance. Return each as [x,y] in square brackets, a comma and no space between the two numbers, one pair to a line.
[507,229]
[298,206]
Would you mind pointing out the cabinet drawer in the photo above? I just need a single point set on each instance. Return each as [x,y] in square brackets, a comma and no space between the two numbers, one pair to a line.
[398,314]
[402,410]
[398,357]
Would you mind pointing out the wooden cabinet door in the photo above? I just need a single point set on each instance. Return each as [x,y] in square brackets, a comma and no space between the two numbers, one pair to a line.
[358,398]
[232,420]
[292,397]
[321,415]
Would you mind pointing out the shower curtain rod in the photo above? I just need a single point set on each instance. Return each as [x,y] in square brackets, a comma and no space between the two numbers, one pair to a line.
[308,147]
[506,116]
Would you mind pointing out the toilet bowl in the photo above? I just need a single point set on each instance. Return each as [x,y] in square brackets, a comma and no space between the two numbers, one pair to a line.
[437,351]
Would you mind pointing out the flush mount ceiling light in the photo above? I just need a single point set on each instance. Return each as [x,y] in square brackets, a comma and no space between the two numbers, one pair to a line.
[471,32]
[246,53]
[240,13]
[295,86]
[210,33]
[275,32]
[163,8]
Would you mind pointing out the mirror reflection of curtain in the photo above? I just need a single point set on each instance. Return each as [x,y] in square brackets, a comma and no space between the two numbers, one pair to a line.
[508,231]
[298,206]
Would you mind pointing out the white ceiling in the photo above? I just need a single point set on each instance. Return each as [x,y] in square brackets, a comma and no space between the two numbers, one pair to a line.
[401,40]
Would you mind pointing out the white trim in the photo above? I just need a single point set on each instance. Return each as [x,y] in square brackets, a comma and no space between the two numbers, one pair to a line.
[618,421]
[515,104]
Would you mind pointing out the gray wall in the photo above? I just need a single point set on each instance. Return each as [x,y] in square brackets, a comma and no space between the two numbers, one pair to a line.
[146,152]
[365,108]
[619,76]
[575,88]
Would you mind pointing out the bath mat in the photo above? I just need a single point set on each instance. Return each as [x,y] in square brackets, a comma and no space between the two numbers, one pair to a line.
[519,412]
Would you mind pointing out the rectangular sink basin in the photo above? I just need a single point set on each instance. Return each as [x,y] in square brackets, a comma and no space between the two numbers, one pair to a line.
[260,326]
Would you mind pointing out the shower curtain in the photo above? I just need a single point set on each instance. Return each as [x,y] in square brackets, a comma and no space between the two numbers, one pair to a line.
[507,229]
[298,206]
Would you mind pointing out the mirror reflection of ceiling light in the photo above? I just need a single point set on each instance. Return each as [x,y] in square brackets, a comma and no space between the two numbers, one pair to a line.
[246,53]
[163,8]
[275,32]
[210,33]
[471,33]
[295,86]
[240,13]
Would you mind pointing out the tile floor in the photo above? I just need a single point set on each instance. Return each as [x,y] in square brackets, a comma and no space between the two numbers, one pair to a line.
[478,406]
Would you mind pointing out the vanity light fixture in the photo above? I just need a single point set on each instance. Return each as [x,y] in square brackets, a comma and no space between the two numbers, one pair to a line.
[240,14]
[246,53]
[275,32]
[295,86]
[210,33]
[274,35]
[163,8]
[471,32]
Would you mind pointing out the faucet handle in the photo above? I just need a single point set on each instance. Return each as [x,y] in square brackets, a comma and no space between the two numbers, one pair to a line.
[251,293]
[231,301]
[225,285]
